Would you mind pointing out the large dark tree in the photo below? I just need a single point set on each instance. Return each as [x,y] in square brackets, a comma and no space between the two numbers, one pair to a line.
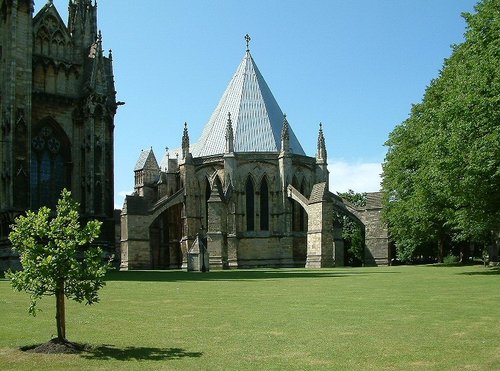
[49,249]
[442,170]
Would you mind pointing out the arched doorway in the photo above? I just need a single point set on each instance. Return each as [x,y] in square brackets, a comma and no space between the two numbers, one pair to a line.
[165,234]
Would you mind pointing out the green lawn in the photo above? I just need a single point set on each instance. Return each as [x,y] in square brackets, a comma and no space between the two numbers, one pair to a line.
[392,318]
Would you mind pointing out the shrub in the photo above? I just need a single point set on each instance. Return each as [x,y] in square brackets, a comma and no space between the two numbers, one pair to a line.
[451,260]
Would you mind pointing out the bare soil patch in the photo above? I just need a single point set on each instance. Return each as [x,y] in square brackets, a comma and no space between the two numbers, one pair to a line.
[56,346]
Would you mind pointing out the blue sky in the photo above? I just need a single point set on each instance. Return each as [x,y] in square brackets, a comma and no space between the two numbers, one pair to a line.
[357,66]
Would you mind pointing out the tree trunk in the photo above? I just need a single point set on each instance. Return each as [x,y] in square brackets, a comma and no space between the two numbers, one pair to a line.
[494,247]
[441,248]
[60,313]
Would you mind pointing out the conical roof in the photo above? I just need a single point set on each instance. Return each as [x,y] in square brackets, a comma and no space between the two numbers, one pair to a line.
[256,117]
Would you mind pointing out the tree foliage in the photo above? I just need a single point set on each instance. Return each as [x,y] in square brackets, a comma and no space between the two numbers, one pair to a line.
[48,248]
[442,169]
[352,233]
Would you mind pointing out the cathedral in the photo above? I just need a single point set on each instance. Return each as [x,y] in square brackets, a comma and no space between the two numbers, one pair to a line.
[57,108]
[245,194]
[245,190]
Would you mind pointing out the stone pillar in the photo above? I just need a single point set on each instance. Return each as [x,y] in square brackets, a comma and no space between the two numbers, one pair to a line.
[190,214]
[191,225]
[320,237]
[136,250]
[232,241]
[216,236]
[375,230]
[285,167]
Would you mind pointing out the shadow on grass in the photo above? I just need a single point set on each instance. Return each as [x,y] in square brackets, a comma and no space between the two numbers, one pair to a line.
[231,275]
[486,272]
[110,352]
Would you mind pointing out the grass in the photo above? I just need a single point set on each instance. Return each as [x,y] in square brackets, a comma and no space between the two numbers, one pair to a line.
[418,318]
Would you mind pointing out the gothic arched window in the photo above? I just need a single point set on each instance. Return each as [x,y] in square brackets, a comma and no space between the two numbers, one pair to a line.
[250,209]
[264,205]
[208,191]
[50,160]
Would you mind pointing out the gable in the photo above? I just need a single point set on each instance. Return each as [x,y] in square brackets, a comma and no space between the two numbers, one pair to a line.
[147,161]
[50,35]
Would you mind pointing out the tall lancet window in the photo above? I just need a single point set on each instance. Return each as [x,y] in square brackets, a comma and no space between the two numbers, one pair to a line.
[250,208]
[208,191]
[264,205]
[50,165]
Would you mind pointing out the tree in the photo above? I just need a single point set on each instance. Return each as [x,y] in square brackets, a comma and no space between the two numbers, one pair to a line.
[48,249]
[352,233]
[442,170]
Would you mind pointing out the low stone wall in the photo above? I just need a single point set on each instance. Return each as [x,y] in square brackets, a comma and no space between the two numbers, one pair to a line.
[265,252]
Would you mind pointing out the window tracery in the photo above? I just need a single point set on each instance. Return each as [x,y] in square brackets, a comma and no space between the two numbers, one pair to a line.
[48,167]
[250,208]
[50,38]
[264,205]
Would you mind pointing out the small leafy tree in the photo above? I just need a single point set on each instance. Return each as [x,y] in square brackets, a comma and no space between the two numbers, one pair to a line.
[48,249]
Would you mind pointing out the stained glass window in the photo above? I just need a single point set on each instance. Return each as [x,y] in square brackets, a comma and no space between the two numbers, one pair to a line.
[264,206]
[48,167]
[249,190]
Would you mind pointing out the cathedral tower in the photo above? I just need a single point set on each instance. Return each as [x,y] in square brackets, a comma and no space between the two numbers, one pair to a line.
[15,90]
[15,107]
[58,103]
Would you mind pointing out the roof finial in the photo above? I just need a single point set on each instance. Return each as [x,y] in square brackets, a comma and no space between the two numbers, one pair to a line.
[321,155]
[229,134]
[247,39]
[185,142]
[285,136]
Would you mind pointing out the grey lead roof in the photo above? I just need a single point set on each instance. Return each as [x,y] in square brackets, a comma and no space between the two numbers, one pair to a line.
[256,117]
[147,160]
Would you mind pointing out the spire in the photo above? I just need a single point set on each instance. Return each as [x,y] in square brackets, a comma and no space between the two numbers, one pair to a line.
[82,22]
[321,155]
[285,135]
[229,135]
[185,142]
[256,117]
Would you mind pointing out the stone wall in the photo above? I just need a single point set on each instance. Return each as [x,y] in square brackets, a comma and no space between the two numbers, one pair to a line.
[376,235]
[265,252]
